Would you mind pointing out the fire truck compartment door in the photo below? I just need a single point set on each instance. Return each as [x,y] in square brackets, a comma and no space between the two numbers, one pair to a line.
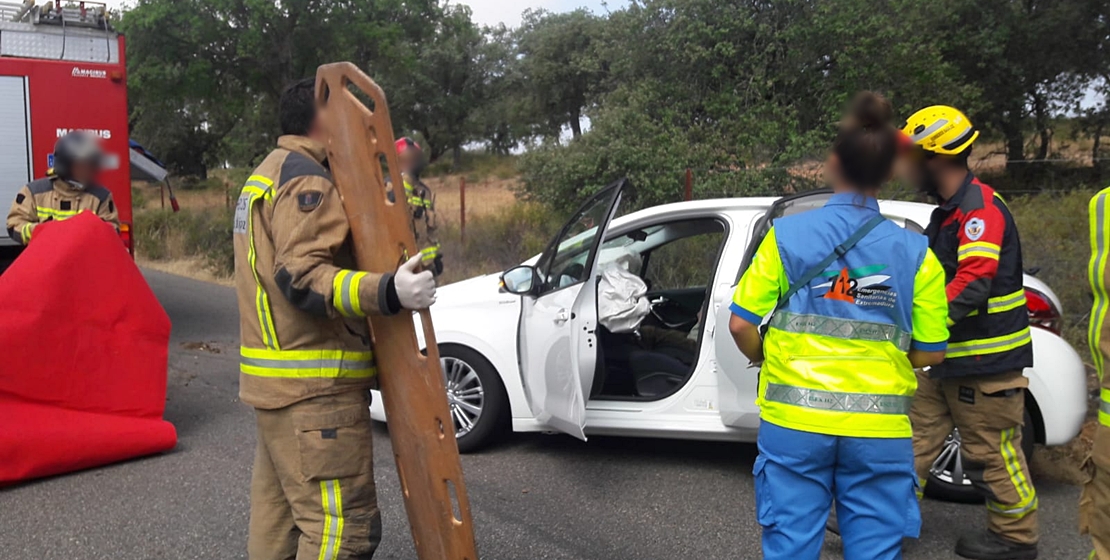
[15,141]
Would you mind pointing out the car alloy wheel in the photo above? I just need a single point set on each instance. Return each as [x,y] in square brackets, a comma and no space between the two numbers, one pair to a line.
[466,396]
[948,470]
[948,479]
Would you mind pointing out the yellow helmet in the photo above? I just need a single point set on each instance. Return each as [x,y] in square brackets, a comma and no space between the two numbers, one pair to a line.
[941,129]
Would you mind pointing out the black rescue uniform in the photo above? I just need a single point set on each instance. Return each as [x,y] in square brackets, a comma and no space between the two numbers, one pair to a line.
[980,387]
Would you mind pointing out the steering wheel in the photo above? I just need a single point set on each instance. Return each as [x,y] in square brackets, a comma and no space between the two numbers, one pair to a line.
[668,313]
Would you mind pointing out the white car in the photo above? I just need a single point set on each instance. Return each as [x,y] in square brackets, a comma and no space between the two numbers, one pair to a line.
[524,350]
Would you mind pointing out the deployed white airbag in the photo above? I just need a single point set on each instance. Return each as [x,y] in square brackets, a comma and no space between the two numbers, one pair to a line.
[621,301]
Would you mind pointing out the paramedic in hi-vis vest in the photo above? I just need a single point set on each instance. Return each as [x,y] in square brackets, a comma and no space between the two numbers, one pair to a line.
[855,303]
[980,387]
[69,188]
[1094,505]
[306,364]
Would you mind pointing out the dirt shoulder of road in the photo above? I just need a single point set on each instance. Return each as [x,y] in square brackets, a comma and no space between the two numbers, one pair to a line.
[192,267]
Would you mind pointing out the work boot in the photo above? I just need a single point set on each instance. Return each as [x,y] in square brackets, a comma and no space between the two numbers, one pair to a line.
[832,525]
[987,545]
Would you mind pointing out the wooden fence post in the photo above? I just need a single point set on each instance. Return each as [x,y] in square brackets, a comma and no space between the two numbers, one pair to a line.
[689,184]
[462,209]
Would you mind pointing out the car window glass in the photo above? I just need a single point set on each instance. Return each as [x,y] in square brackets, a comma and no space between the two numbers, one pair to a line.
[567,265]
[686,262]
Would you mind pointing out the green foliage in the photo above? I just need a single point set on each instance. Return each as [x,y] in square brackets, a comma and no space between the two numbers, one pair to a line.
[496,242]
[477,166]
[559,55]
[743,92]
[1056,240]
[166,235]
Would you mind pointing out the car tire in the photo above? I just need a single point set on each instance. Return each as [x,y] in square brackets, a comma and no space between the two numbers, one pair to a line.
[483,391]
[940,485]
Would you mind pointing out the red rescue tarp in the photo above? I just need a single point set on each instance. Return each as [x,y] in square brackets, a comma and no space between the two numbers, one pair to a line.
[83,351]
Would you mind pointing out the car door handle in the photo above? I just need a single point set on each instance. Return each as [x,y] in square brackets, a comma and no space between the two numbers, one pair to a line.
[561,316]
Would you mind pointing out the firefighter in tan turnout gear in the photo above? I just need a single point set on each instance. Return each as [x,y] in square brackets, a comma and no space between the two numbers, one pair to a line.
[979,388]
[69,189]
[1094,504]
[421,201]
[306,364]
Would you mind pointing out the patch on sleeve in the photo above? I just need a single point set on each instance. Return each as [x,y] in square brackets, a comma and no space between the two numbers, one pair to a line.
[19,198]
[974,228]
[309,200]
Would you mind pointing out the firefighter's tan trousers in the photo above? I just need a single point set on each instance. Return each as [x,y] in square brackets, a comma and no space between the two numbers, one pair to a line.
[1094,504]
[312,489]
[989,412]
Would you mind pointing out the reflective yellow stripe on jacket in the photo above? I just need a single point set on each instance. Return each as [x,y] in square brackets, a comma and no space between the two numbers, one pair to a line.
[306,364]
[54,214]
[260,188]
[416,201]
[1097,275]
[1001,304]
[345,297]
[978,347]
[979,249]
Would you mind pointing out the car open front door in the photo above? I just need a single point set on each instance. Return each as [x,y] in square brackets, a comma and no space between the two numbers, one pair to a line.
[738,383]
[558,336]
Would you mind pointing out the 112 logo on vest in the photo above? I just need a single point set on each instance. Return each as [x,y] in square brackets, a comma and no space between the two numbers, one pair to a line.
[861,286]
[843,288]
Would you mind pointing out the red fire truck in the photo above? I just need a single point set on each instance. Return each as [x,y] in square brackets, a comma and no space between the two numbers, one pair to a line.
[61,69]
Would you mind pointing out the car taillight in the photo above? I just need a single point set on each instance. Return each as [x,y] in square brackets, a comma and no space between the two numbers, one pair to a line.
[1042,312]
[125,236]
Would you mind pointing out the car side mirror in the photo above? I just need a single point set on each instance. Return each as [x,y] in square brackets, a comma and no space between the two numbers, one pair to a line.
[520,280]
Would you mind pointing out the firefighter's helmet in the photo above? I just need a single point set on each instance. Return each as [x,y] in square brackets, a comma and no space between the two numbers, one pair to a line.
[941,130]
[405,144]
[73,148]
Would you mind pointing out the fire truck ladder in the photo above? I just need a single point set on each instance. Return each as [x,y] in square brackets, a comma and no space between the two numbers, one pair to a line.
[76,31]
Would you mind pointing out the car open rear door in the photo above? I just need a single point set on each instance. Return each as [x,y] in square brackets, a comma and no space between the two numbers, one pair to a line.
[558,324]
[738,384]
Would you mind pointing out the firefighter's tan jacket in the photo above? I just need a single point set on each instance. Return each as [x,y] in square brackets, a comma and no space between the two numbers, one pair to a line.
[302,306]
[51,198]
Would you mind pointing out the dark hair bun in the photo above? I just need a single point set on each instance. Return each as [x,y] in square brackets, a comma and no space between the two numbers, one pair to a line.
[870,111]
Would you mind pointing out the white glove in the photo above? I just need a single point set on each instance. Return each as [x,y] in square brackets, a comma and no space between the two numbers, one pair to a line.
[415,290]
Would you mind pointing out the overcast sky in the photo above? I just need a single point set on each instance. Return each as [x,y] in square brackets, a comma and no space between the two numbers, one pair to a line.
[492,12]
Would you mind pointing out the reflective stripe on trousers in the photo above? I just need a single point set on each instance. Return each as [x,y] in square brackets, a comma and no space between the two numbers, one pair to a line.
[1104,407]
[304,364]
[259,188]
[989,345]
[841,328]
[832,400]
[1027,495]
[332,498]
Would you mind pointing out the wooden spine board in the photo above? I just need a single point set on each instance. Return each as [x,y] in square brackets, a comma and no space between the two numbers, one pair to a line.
[412,385]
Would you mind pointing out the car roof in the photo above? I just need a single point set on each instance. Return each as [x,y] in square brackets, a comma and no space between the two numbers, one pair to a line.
[915,211]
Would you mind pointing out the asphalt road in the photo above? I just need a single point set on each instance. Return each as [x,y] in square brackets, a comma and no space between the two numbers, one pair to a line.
[533,497]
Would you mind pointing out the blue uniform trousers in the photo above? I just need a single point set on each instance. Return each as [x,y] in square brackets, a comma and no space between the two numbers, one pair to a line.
[797,475]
